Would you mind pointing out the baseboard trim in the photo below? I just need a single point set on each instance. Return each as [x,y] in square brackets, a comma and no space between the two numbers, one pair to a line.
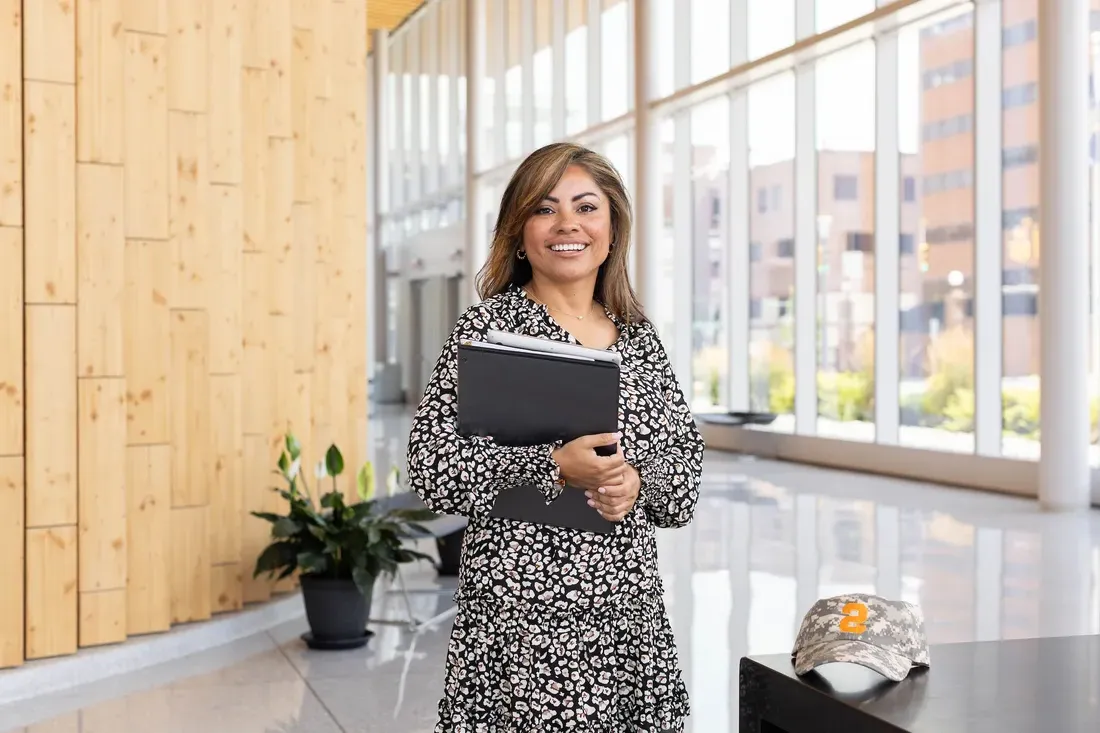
[41,677]
[1000,475]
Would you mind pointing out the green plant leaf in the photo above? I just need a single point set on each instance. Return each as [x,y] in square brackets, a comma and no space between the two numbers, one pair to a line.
[334,461]
[268,516]
[275,556]
[284,462]
[313,563]
[286,527]
[365,481]
[364,580]
[293,446]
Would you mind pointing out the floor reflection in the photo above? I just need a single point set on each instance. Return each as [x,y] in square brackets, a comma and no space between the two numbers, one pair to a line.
[769,539]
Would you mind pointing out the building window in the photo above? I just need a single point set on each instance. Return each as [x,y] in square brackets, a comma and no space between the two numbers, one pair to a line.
[762,200]
[860,242]
[948,181]
[755,251]
[845,188]
[1019,156]
[948,127]
[905,244]
[785,248]
[948,74]
[1019,96]
[1019,34]
[909,189]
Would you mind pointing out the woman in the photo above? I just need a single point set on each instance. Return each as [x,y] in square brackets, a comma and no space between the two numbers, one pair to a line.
[559,629]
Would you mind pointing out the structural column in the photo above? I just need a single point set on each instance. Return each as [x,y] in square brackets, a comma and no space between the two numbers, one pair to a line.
[475,245]
[647,223]
[1063,308]
[379,202]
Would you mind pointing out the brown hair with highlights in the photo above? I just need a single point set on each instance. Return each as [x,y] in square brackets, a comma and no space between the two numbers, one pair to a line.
[530,184]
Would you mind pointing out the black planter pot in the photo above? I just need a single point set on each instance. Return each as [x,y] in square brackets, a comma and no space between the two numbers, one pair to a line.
[337,613]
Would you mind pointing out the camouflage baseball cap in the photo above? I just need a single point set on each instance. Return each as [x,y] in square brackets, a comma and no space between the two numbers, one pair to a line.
[883,635]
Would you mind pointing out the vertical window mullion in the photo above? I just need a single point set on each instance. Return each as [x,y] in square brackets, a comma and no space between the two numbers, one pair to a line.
[738,218]
[887,241]
[806,236]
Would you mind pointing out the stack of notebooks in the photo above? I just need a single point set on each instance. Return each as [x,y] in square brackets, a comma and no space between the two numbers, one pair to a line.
[522,391]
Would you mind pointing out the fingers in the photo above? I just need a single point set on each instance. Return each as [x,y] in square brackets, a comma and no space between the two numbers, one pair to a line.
[595,441]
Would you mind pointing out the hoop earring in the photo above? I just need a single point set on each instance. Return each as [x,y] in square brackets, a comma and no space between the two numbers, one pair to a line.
[521,254]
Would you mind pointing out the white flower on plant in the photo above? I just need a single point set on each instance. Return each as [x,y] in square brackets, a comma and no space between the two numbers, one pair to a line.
[320,471]
[295,469]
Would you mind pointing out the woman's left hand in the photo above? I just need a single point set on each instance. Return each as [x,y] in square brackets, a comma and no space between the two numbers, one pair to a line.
[614,501]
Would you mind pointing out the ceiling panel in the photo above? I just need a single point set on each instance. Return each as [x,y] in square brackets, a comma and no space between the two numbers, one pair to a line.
[388,14]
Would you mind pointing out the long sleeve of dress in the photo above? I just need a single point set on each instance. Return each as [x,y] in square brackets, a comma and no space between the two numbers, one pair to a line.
[455,474]
[670,482]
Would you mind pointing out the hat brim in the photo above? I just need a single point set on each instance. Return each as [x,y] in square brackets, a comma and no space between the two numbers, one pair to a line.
[892,666]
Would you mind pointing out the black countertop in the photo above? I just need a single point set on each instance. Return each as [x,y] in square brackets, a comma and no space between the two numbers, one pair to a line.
[1048,685]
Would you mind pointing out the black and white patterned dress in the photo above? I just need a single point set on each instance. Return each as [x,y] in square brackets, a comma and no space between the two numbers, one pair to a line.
[558,629]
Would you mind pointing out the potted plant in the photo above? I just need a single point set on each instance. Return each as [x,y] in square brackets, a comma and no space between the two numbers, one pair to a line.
[340,549]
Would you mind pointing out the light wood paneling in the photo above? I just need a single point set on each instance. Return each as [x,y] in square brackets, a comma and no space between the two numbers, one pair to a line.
[11,113]
[49,41]
[147,347]
[146,141]
[146,16]
[11,335]
[102,466]
[226,588]
[305,287]
[182,220]
[148,522]
[226,498]
[280,54]
[188,56]
[225,118]
[256,339]
[192,470]
[101,267]
[254,151]
[255,533]
[100,76]
[103,617]
[280,223]
[302,72]
[49,127]
[11,570]
[225,292]
[189,564]
[51,591]
[51,415]
[188,216]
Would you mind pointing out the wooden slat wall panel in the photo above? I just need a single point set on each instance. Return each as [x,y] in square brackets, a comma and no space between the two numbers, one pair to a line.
[51,591]
[11,335]
[11,571]
[146,141]
[51,415]
[49,41]
[11,113]
[101,266]
[224,117]
[192,443]
[100,76]
[147,348]
[148,522]
[188,58]
[181,213]
[49,196]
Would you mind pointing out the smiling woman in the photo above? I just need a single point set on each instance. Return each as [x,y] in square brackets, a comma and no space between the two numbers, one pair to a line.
[561,629]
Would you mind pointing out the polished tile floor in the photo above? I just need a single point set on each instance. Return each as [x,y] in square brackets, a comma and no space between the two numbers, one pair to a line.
[768,540]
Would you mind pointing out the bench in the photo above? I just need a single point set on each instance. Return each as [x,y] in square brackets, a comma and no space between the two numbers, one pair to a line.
[447,531]
[1009,686]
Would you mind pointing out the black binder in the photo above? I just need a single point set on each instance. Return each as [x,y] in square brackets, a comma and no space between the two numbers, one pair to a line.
[521,398]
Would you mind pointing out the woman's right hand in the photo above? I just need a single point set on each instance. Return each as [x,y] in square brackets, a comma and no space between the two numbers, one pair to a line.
[583,468]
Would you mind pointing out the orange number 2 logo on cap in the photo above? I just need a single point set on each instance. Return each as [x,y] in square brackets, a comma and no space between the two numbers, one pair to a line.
[855,614]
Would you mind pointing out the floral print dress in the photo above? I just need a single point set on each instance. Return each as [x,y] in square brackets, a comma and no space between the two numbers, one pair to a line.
[559,629]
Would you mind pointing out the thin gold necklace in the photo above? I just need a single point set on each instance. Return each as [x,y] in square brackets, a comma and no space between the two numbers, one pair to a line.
[559,310]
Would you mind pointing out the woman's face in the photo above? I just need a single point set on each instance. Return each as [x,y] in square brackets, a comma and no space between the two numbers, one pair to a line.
[568,237]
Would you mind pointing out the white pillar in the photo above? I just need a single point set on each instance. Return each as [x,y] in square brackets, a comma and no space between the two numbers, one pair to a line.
[1064,215]
[376,255]
[474,249]
[646,211]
